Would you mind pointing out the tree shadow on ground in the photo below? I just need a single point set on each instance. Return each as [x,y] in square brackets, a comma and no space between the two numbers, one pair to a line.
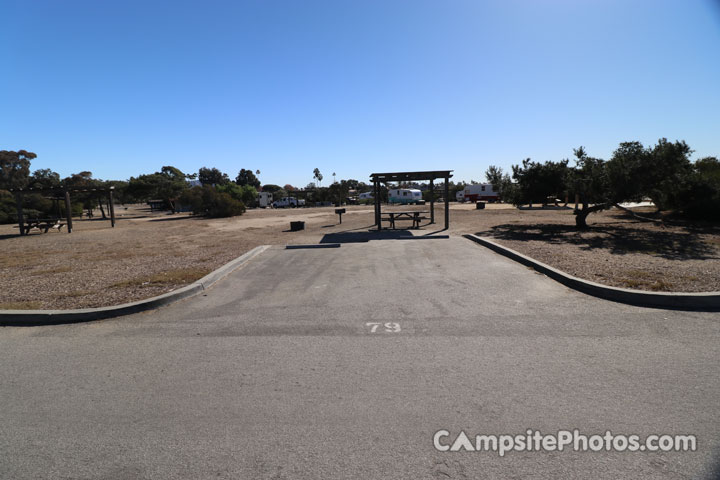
[616,239]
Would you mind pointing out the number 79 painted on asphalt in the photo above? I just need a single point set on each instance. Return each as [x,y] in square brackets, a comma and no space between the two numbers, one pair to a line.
[390,327]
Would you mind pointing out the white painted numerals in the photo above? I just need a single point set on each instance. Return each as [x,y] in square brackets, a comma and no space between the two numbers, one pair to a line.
[376,327]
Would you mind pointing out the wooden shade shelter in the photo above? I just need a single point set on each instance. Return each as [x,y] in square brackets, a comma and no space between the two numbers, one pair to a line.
[431,176]
[62,193]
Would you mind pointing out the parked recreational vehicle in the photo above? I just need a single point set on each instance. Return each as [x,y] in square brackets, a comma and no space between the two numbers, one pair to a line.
[405,196]
[285,202]
[365,196]
[481,191]
[264,199]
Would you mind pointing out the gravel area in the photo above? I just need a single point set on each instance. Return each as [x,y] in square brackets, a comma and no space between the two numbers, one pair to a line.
[618,250]
[149,253]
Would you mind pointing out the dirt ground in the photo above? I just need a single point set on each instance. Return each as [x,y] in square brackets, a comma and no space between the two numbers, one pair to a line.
[149,253]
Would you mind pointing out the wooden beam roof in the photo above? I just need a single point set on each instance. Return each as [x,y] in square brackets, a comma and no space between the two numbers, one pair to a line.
[410,176]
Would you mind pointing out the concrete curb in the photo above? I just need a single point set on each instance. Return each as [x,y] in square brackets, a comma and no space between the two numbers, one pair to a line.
[705,301]
[31,318]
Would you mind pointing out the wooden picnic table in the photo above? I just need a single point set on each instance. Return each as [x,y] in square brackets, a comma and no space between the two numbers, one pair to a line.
[414,215]
[44,224]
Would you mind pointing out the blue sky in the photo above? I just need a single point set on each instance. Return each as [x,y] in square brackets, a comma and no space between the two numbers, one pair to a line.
[352,87]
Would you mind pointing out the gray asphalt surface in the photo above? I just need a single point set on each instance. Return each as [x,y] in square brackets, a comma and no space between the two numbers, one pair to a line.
[274,373]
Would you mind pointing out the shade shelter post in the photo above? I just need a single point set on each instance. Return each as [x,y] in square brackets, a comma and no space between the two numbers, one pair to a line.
[447,202]
[68,211]
[20,215]
[112,208]
[432,201]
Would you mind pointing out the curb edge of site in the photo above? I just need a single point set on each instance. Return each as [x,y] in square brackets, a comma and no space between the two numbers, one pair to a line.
[703,301]
[33,318]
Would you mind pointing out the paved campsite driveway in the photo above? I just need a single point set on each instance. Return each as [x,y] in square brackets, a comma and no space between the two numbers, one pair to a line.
[275,373]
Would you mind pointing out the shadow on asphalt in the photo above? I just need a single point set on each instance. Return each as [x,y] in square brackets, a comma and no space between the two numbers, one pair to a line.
[361,237]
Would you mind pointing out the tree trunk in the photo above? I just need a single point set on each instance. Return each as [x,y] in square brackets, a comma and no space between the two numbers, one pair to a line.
[102,210]
[581,219]
[581,215]
[639,217]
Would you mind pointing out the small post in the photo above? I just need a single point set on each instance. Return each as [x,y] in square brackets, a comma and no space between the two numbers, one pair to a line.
[112,208]
[68,211]
[21,217]
[432,201]
[447,203]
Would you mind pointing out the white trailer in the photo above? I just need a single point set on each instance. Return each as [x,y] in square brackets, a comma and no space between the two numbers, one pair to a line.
[264,199]
[285,202]
[405,196]
[478,192]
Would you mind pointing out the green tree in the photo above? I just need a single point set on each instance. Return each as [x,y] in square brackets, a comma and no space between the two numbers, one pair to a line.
[668,169]
[246,194]
[212,176]
[271,188]
[15,168]
[494,176]
[536,182]
[247,177]
[338,192]
[167,185]
[700,196]
[633,173]
[44,179]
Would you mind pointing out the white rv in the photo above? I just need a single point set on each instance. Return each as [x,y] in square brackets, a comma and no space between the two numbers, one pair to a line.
[286,202]
[405,196]
[366,197]
[481,191]
[264,199]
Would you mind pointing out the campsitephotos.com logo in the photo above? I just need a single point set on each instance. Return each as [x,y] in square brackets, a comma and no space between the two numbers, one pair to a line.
[536,441]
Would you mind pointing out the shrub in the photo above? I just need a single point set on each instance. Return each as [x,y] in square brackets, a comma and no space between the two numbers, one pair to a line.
[208,201]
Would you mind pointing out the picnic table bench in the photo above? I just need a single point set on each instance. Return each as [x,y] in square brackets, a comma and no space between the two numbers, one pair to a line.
[414,215]
[43,224]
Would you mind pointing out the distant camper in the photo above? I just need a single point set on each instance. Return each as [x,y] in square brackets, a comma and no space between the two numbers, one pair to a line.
[366,197]
[264,199]
[480,192]
[405,196]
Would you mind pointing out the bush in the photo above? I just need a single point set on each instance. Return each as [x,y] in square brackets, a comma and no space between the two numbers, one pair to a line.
[208,201]
[245,194]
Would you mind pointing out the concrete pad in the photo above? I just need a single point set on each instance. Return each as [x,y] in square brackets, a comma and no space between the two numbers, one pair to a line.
[276,372]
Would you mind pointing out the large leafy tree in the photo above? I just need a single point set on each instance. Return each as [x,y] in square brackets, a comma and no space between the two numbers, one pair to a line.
[246,194]
[700,196]
[632,174]
[247,177]
[501,182]
[166,185]
[589,181]
[536,182]
[212,176]
[668,169]
[15,168]
[44,179]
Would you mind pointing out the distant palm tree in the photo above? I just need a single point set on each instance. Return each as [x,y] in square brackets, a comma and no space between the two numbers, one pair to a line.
[317,175]
[334,181]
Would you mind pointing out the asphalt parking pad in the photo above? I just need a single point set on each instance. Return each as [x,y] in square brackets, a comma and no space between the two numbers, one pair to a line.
[344,362]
